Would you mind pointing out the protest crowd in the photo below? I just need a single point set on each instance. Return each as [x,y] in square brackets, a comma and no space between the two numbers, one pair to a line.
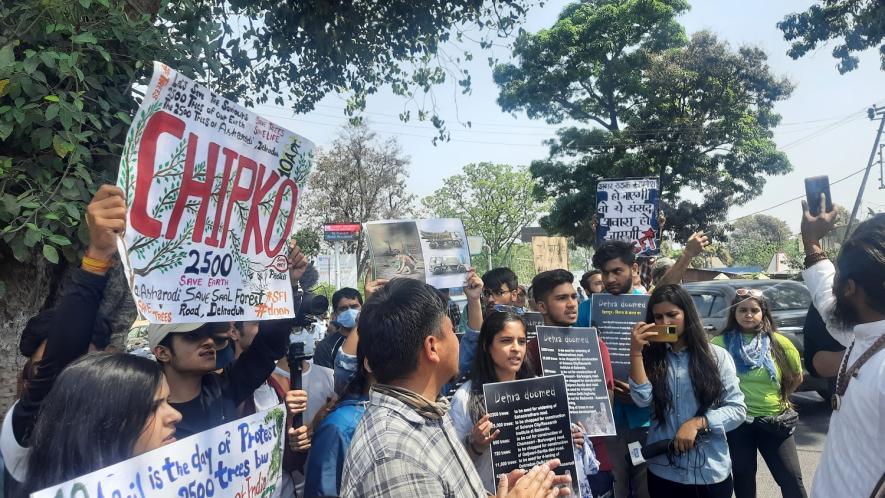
[392,402]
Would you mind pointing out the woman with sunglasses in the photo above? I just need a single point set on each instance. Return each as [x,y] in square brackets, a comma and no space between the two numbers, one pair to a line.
[695,398]
[769,370]
[499,358]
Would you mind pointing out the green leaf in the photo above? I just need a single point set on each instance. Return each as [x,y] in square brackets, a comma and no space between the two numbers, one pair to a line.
[32,237]
[86,3]
[122,116]
[86,37]
[7,57]
[5,130]
[50,253]
[61,146]
[51,111]
[59,240]
[51,98]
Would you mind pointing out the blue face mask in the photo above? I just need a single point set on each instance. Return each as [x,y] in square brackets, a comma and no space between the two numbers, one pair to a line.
[224,357]
[347,320]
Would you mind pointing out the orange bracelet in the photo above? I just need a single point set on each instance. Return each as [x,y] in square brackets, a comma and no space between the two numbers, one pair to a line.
[95,265]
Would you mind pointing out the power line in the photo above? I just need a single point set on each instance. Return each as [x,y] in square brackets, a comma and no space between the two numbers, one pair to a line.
[795,198]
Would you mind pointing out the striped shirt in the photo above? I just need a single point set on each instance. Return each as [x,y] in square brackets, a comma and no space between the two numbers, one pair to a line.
[396,452]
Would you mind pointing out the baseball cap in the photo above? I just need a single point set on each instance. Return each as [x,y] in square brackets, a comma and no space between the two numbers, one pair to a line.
[157,332]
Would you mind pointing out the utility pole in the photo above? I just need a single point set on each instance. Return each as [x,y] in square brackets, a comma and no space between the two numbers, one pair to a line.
[872,112]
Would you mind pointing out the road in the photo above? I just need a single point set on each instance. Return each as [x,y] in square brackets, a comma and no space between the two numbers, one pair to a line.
[814,419]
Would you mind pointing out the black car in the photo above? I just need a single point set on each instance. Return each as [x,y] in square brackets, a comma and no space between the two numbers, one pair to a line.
[789,301]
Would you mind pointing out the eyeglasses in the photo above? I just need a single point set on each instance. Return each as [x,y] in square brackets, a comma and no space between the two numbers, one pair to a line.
[749,292]
[499,292]
[503,308]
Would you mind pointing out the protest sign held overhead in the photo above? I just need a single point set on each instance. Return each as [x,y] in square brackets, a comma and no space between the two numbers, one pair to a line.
[212,190]
[574,353]
[549,253]
[243,458]
[533,417]
[614,318]
[532,320]
[433,250]
[627,209]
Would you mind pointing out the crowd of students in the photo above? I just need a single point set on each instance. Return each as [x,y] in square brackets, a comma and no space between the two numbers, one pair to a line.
[377,421]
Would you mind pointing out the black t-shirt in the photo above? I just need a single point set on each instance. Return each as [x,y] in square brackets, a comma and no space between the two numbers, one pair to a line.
[816,338]
[327,348]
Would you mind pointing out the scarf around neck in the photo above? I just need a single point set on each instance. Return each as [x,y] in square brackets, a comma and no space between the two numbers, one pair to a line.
[427,409]
[751,355]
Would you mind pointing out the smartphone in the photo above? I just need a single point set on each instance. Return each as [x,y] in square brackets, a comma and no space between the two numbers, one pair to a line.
[814,186]
[666,333]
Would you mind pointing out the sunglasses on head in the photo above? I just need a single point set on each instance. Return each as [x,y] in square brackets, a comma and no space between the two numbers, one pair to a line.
[503,308]
[748,293]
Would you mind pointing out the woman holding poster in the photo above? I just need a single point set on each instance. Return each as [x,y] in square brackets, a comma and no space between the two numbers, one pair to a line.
[671,362]
[500,358]
[103,409]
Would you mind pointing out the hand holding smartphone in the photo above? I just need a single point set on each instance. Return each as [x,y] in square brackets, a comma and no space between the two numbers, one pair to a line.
[814,187]
[666,333]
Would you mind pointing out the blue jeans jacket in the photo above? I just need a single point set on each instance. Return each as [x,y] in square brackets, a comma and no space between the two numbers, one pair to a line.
[329,445]
[708,462]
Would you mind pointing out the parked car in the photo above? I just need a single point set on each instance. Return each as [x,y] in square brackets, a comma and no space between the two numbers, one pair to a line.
[447,264]
[789,301]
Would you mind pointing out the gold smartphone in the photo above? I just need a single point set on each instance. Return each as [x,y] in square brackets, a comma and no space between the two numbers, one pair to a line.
[666,333]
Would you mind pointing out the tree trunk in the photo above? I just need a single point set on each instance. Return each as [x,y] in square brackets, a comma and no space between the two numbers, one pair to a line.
[27,287]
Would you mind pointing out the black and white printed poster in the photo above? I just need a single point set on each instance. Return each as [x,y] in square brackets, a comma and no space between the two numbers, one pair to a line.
[533,417]
[614,318]
[574,353]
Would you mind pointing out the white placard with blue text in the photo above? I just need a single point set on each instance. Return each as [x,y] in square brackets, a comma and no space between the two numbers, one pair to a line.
[243,458]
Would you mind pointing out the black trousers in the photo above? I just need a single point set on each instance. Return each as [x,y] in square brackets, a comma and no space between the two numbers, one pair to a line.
[658,487]
[779,454]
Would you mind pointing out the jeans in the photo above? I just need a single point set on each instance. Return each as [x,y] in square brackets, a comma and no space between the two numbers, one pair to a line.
[630,481]
[662,488]
[779,454]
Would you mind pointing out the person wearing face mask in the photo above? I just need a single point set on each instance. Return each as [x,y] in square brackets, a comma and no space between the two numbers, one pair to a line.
[346,304]
[850,296]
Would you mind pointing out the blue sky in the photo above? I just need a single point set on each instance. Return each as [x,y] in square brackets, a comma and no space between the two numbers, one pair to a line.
[824,130]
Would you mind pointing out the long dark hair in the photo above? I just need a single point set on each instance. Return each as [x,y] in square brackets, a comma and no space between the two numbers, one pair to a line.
[92,417]
[789,377]
[705,382]
[483,369]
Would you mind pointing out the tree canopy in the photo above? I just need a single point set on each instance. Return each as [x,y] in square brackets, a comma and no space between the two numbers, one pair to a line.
[358,179]
[70,73]
[857,25]
[493,200]
[650,102]
[753,240]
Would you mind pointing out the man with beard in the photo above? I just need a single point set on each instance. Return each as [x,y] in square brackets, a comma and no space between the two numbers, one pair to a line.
[850,296]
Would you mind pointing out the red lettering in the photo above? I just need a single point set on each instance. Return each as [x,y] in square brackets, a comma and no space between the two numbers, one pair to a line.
[271,221]
[229,157]
[239,193]
[253,223]
[159,123]
[191,187]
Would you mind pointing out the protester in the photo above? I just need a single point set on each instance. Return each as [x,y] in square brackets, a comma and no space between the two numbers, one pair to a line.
[850,296]
[694,246]
[660,268]
[52,340]
[405,445]
[269,394]
[521,297]
[332,437]
[616,262]
[104,408]
[769,370]
[501,358]
[346,304]
[186,351]
[691,406]
[591,282]
[558,304]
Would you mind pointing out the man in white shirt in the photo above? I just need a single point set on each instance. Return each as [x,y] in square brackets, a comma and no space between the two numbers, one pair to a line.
[850,296]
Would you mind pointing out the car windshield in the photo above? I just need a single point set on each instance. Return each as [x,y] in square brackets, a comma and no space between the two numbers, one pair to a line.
[787,295]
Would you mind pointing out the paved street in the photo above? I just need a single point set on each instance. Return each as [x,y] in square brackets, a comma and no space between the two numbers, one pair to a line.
[814,418]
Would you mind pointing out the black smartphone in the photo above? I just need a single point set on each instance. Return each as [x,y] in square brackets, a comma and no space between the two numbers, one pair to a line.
[814,186]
